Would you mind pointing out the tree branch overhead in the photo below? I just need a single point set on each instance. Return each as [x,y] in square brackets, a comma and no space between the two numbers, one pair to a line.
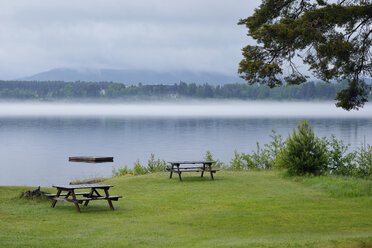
[333,39]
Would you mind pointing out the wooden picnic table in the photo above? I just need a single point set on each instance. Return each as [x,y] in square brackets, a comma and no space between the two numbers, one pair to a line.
[93,194]
[205,166]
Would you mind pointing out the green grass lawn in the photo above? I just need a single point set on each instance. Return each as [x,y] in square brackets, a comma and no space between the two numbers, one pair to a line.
[238,209]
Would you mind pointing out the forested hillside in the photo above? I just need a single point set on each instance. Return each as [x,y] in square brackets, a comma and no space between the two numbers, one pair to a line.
[35,90]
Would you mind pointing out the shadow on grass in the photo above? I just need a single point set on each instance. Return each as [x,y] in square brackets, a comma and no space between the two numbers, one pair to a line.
[194,179]
[70,208]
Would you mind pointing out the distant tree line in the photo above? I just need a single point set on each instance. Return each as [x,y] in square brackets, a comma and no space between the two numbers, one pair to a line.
[57,90]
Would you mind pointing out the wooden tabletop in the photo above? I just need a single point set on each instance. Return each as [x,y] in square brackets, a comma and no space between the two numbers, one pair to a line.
[192,162]
[82,186]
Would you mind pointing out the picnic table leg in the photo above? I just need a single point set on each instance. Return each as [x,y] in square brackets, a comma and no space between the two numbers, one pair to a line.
[109,200]
[57,195]
[210,169]
[179,172]
[89,196]
[68,194]
[171,172]
[203,169]
[94,189]
[75,201]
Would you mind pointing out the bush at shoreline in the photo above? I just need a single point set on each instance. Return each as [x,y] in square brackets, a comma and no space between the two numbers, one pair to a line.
[302,153]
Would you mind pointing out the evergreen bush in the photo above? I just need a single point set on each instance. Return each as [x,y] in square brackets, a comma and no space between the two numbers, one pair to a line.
[304,152]
[209,157]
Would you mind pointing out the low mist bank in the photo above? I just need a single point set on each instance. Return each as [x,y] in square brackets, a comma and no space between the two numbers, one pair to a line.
[225,109]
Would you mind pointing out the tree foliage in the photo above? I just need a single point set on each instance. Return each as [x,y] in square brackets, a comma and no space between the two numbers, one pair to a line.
[332,37]
[50,91]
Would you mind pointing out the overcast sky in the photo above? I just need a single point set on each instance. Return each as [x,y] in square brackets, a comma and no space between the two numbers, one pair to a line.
[197,35]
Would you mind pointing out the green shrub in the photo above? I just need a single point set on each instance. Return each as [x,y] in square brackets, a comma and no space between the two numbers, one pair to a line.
[275,147]
[209,157]
[261,158]
[155,165]
[357,163]
[138,169]
[364,161]
[304,153]
[237,163]
[121,171]
[339,161]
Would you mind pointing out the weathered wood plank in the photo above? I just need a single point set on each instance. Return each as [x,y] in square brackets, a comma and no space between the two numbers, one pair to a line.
[91,159]
[191,162]
[82,186]
[72,200]
[53,195]
[192,170]
[113,198]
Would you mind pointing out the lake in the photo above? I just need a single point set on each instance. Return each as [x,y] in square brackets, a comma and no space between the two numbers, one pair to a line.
[37,139]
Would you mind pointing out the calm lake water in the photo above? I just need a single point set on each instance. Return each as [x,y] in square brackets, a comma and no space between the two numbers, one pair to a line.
[36,140]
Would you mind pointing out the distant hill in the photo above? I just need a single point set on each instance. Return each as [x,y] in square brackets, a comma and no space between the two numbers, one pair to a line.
[133,76]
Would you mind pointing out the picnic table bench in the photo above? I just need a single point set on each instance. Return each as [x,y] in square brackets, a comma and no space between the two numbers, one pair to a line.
[93,194]
[204,166]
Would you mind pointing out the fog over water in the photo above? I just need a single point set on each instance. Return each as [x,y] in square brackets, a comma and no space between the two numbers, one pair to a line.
[37,139]
[224,109]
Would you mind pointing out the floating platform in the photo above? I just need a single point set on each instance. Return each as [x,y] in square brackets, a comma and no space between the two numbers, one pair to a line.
[91,159]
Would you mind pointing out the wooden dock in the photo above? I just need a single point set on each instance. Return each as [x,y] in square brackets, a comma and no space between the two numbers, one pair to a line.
[91,159]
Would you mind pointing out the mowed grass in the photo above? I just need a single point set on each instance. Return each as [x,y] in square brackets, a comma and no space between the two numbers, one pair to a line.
[238,209]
